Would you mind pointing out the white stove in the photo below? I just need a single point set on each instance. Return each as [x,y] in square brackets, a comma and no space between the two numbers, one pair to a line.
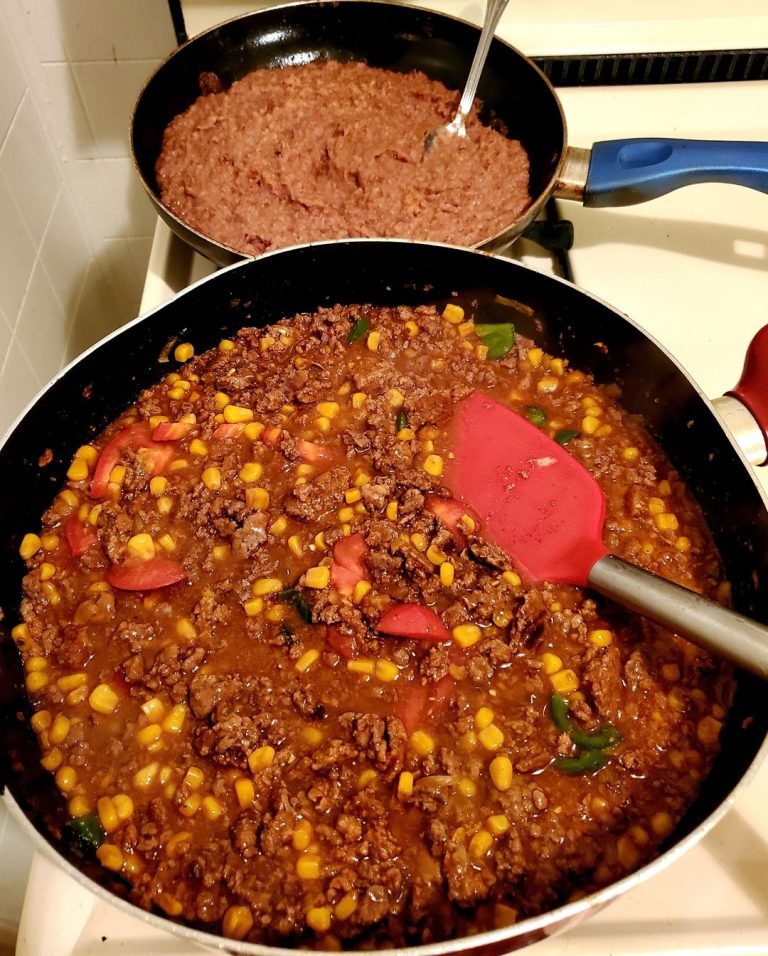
[692,269]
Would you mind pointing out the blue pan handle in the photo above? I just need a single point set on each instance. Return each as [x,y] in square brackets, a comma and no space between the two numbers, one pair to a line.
[623,172]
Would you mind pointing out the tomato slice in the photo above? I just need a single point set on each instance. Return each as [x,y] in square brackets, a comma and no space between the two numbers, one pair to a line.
[158,572]
[449,511]
[416,621]
[348,565]
[271,435]
[229,430]
[311,452]
[172,431]
[133,437]
[80,536]
[417,703]
[343,644]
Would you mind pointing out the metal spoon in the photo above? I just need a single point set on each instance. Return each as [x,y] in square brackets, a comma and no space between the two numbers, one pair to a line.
[456,127]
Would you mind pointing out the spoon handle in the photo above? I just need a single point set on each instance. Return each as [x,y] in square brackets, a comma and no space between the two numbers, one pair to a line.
[493,12]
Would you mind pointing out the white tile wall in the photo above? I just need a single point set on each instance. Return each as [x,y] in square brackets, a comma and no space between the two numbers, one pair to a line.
[75,225]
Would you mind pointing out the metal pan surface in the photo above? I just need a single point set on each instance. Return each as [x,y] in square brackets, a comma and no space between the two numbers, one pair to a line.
[99,385]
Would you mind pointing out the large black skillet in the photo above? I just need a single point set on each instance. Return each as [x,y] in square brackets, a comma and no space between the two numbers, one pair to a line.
[394,36]
[107,378]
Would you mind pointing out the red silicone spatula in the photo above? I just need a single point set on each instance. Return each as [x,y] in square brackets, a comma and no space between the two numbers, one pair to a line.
[546,511]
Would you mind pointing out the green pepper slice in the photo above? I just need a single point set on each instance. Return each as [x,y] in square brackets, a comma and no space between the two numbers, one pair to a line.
[297,600]
[401,420]
[536,416]
[586,762]
[565,435]
[358,330]
[606,736]
[87,831]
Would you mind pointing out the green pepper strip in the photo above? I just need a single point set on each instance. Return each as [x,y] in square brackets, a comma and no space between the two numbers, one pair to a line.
[536,415]
[358,330]
[88,831]
[606,736]
[587,761]
[401,421]
[565,435]
[298,601]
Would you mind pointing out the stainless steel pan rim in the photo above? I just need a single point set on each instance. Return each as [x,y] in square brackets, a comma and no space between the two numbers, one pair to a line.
[489,943]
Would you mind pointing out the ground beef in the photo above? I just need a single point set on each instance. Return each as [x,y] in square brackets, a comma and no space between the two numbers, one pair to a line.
[330,150]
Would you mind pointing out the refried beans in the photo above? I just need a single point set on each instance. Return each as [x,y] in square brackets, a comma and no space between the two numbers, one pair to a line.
[332,150]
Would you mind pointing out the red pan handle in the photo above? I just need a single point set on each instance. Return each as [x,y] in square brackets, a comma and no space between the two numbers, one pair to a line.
[752,388]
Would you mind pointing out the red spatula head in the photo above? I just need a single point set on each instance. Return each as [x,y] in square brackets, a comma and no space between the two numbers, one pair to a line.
[534,499]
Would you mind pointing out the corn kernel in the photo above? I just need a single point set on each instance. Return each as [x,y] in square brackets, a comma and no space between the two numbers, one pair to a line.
[421,743]
[317,577]
[237,415]
[211,808]
[302,835]
[662,823]
[78,470]
[501,772]
[468,741]
[66,778]
[433,465]
[362,666]
[78,807]
[307,659]
[184,351]
[123,805]
[157,486]
[245,792]
[670,672]
[345,907]
[405,434]
[175,719]
[480,844]
[656,506]
[141,546]
[279,525]
[465,635]
[372,342]
[35,664]
[366,777]
[41,721]
[103,699]
[627,852]
[257,498]
[346,514]
[328,409]
[467,787]
[308,867]
[491,737]
[419,541]
[551,663]
[361,589]
[435,555]
[708,730]
[457,671]
[144,777]
[631,453]
[59,729]
[564,681]
[276,613]
[169,905]
[404,784]
[600,637]
[447,573]
[683,544]
[483,718]
[149,734]
[497,824]
[534,357]
[261,758]
[453,313]
[319,918]
[667,522]
[30,545]
[264,586]
[52,759]
[110,856]
[237,922]
[107,814]
[254,606]
[253,431]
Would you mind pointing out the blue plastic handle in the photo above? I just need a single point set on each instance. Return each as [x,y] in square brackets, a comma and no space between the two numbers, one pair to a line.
[623,172]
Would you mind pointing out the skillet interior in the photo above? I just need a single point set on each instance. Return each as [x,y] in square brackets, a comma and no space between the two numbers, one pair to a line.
[568,321]
[384,35]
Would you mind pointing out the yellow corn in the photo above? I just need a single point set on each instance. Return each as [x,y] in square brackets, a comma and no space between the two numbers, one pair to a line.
[421,743]
[467,787]
[319,918]
[78,807]
[253,430]
[564,681]
[52,759]
[78,470]
[361,666]
[226,345]
[103,699]
[491,737]
[169,904]
[366,777]
[66,778]
[144,777]
[264,586]
[372,342]
[175,719]
[551,663]
[386,671]
[308,867]
[483,718]
[317,577]
[435,555]
[412,328]
[40,721]
[358,399]
[261,758]
[257,498]
[198,448]
[345,907]
[211,808]
[190,805]
[211,478]
[466,635]
[404,784]
[447,573]
[433,465]
[110,856]
[406,434]
[154,708]
[59,729]
[237,922]
[667,522]
[107,814]
[631,453]
[346,514]
[497,824]
[419,541]
[328,409]
[453,313]
[141,546]
[391,511]
[307,660]
[237,415]
[149,734]
[30,545]
[157,485]
[501,772]
[123,805]
[600,637]
[662,823]
[184,351]
[254,606]
[302,835]
[245,792]
[589,424]
[361,589]
[480,844]
[279,525]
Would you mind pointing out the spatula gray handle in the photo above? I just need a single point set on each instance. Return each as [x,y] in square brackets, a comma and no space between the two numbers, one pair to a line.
[704,622]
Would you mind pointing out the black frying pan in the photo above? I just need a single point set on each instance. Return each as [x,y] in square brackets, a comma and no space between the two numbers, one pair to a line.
[97,387]
[401,38]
